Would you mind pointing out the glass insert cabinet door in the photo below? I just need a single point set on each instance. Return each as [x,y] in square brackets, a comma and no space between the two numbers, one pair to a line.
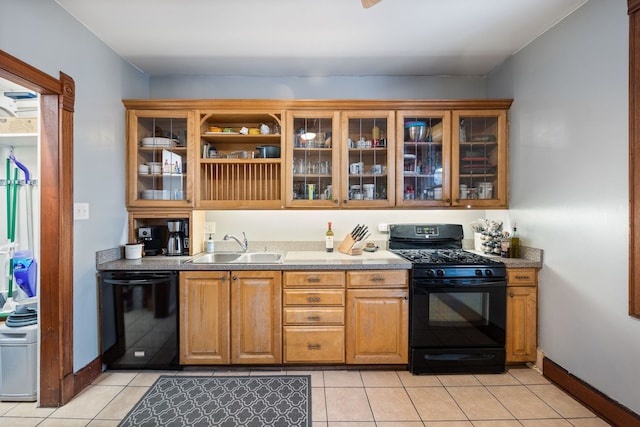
[479,158]
[158,158]
[312,159]
[367,161]
[424,158]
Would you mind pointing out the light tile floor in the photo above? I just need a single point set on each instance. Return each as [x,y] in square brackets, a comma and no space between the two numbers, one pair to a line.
[345,398]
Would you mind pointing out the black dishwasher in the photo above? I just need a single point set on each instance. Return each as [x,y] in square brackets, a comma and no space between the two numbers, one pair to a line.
[139,313]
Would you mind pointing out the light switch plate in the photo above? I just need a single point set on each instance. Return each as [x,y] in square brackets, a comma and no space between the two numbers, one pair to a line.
[210,227]
[80,211]
[383,228]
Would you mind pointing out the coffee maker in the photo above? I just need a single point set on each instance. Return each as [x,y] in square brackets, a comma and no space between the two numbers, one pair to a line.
[150,236]
[175,243]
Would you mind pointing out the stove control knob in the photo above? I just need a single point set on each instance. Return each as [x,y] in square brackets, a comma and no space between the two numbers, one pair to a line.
[440,273]
[479,273]
[488,273]
[431,273]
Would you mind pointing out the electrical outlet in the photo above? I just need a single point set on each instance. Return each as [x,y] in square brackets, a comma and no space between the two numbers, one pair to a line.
[80,211]
[383,228]
[210,227]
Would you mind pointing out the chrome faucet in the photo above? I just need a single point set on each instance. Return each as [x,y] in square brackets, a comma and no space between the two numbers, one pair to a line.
[244,244]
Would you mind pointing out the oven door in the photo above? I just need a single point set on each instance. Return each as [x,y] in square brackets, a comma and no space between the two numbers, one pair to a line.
[458,325]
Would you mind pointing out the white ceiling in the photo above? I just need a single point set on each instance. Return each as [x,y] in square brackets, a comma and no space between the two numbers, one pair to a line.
[318,37]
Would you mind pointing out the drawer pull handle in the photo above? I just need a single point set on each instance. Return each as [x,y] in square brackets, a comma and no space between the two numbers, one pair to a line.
[377,279]
[313,346]
[313,299]
[313,279]
[313,318]
[523,277]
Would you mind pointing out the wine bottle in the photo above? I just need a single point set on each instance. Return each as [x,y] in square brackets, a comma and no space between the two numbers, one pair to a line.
[514,244]
[328,239]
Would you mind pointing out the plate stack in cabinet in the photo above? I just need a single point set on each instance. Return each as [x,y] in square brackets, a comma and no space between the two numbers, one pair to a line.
[313,317]
[368,138]
[159,158]
[423,159]
[239,160]
[313,162]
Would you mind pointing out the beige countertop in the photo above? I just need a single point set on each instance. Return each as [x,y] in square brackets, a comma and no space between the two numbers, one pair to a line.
[111,260]
[292,260]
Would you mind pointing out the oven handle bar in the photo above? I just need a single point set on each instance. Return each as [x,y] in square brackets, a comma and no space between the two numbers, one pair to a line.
[444,283]
[134,281]
[458,356]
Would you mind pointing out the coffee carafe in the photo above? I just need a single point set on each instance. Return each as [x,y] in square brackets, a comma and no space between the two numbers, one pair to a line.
[175,244]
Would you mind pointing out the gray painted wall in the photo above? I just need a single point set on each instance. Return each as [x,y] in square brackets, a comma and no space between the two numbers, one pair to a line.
[568,176]
[569,190]
[45,36]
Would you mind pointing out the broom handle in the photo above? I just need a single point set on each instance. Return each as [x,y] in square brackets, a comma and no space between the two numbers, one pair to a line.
[14,206]
[8,200]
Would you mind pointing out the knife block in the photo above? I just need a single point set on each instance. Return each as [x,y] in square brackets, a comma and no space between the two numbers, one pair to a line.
[347,246]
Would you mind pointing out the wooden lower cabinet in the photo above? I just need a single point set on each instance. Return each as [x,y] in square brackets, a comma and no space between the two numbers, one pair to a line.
[377,325]
[205,298]
[522,315]
[314,344]
[256,317]
[313,316]
[293,317]
[230,317]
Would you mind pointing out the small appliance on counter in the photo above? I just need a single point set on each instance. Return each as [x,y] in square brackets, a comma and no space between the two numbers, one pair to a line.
[150,237]
[178,242]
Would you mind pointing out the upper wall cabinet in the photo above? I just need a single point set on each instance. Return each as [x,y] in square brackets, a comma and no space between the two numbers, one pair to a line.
[340,159]
[479,159]
[452,158]
[368,147]
[312,171]
[317,154]
[239,162]
[159,158]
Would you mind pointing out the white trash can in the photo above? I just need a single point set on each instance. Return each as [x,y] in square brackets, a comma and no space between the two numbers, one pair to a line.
[18,363]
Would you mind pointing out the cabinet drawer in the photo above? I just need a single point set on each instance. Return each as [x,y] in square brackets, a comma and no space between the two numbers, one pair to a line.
[308,344]
[377,279]
[314,279]
[313,316]
[521,277]
[313,298]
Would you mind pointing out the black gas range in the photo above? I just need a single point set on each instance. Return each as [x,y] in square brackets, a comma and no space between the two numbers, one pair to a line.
[457,301]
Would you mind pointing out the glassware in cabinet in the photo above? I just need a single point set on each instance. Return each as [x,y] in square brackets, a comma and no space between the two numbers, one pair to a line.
[479,162]
[368,141]
[158,158]
[423,158]
[312,157]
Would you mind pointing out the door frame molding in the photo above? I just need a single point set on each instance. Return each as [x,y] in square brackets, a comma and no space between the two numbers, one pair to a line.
[633,10]
[56,230]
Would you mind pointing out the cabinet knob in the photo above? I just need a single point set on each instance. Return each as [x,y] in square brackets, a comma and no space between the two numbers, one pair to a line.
[234,278]
[511,294]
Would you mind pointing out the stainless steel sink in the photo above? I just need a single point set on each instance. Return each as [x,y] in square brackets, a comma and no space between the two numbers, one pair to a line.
[239,258]
[259,258]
